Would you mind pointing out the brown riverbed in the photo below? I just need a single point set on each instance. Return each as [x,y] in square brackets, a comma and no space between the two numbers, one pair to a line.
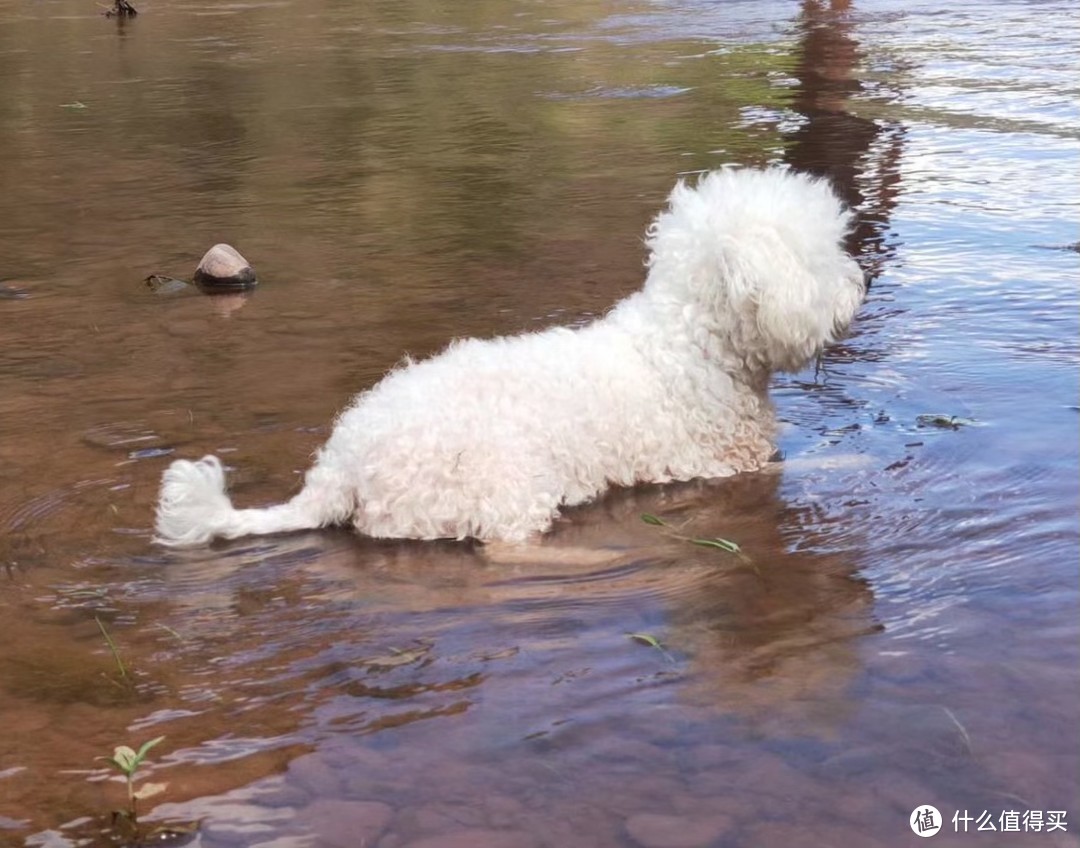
[904,630]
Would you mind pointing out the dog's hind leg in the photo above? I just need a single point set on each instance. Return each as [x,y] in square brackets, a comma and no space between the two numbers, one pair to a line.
[193,507]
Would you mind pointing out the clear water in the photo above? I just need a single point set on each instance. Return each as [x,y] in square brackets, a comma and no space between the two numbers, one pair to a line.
[401,174]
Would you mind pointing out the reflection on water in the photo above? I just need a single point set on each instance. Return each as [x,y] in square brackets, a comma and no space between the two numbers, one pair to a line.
[859,155]
[902,630]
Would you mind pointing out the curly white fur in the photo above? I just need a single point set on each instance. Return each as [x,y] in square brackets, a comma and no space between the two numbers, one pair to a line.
[488,439]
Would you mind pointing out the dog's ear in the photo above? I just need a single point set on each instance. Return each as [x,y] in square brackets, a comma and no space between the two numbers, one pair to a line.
[800,299]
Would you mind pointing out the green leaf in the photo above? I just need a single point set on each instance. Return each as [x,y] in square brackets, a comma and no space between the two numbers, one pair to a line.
[722,544]
[646,639]
[125,759]
[652,642]
[649,518]
[146,747]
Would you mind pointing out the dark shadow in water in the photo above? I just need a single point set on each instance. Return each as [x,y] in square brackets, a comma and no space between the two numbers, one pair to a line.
[770,636]
[860,156]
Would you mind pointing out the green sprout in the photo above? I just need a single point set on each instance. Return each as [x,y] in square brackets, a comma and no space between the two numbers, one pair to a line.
[127,761]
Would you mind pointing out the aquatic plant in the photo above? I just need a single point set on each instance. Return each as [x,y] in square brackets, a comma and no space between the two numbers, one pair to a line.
[714,542]
[652,642]
[114,651]
[127,761]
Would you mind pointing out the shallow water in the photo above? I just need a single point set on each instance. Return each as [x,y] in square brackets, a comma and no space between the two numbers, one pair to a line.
[905,632]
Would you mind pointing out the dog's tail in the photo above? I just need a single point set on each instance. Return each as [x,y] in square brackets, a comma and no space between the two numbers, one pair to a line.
[193,508]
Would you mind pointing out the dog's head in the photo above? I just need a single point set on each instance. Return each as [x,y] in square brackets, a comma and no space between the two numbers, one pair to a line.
[757,256]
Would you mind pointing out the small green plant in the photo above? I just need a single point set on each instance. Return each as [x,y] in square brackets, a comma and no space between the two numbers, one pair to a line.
[127,761]
[715,542]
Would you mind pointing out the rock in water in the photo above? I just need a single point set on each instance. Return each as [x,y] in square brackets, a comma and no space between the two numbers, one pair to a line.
[160,284]
[224,269]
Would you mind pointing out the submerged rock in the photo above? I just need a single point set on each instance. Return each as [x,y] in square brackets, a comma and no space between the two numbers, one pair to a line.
[12,292]
[224,269]
[163,285]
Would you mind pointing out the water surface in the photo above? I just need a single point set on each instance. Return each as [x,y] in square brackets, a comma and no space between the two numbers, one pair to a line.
[402,174]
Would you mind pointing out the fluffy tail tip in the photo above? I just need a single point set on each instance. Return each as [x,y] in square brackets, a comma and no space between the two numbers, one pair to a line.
[192,504]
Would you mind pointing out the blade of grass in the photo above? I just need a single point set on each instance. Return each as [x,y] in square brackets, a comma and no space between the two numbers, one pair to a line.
[960,727]
[170,631]
[646,639]
[652,642]
[112,647]
[716,542]
[722,544]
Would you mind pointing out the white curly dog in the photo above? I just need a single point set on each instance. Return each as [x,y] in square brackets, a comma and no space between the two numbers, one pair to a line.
[490,438]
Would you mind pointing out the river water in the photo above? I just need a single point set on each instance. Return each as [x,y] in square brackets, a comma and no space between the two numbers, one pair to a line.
[403,173]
